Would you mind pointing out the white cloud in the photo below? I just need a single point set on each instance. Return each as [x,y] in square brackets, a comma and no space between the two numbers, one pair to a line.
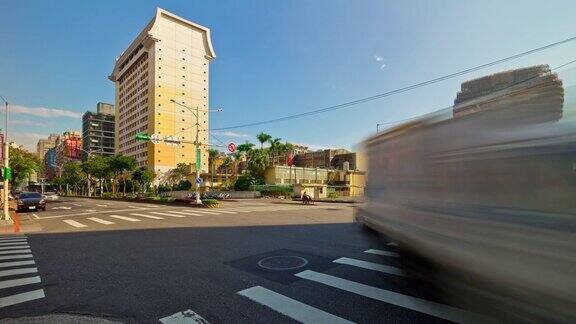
[314,147]
[44,112]
[231,134]
[378,58]
[29,140]
[26,122]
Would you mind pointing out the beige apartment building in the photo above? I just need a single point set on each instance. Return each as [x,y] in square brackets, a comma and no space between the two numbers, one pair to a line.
[44,145]
[167,61]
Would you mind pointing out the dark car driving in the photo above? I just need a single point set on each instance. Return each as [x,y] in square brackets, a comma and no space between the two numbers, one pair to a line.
[31,201]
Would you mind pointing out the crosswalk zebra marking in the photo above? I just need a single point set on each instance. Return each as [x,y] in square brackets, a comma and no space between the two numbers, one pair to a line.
[370,266]
[125,218]
[14,247]
[16,251]
[16,263]
[292,308]
[21,298]
[100,220]
[147,216]
[167,214]
[413,303]
[206,212]
[380,252]
[19,282]
[16,256]
[22,242]
[74,223]
[188,213]
[12,272]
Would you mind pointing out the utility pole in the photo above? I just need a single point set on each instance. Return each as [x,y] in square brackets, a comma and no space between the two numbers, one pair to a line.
[6,167]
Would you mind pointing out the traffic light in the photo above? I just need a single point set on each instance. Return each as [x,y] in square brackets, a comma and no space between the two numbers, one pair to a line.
[142,137]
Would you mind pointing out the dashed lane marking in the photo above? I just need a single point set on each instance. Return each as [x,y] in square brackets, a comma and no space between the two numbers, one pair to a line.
[380,252]
[292,308]
[16,251]
[74,223]
[19,282]
[21,298]
[420,305]
[16,263]
[147,216]
[370,266]
[206,212]
[35,216]
[19,271]
[100,220]
[166,214]
[226,211]
[125,218]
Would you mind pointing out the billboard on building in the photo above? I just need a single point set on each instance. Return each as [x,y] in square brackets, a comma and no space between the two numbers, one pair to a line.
[51,157]
[72,148]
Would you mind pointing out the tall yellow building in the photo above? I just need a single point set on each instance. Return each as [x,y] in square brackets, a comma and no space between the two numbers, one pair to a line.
[167,61]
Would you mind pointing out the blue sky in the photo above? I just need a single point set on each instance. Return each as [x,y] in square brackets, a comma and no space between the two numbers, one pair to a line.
[275,58]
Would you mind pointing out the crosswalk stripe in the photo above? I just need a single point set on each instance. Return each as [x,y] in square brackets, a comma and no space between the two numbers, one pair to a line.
[370,266]
[206,212]
[7,237]
[420,305]
[16,256]
[21,298]
[16,251]
[226,211]
[19,282]
[74,223]
[13,239]
[23,242]
[292,308]
[13,272]
[166,214]
[100,220]
[135,207]
[147,216]
[380,252]
[186,317]
[16,263]
[185,213]
[125,218]
[15,247]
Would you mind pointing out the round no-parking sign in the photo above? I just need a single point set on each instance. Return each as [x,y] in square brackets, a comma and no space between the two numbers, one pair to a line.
[232,147]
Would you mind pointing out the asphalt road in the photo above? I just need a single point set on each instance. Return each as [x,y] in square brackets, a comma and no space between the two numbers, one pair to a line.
[254,261]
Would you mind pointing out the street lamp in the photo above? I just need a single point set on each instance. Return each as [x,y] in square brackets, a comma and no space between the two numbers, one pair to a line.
[196,144]
[6,165]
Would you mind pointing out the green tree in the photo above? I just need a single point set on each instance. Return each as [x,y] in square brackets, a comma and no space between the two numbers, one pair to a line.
[120,167]
[23,165]
[73,177]
[179,173]
[258,161]
[263,138]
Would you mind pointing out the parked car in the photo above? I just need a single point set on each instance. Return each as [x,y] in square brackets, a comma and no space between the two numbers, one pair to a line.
[31,201]
[51,196]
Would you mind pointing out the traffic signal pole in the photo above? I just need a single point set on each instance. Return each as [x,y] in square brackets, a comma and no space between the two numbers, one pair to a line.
[6,168]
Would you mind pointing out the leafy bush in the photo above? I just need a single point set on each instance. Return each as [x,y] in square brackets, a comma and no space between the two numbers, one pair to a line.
[183,185]
[114,195]
[332,194]
[210,203]
[274,190]
[164,187]
[166,199]
[243,183]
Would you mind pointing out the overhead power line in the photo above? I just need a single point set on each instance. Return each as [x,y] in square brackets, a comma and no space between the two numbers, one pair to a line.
[400,90]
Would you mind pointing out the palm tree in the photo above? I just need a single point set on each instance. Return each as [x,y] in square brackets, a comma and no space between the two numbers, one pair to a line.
[275,146]
[263,138]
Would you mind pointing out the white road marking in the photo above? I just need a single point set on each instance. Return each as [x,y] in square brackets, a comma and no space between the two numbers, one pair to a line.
[290,307]
[35,216]
[61,207]
[12,237]
[206,212]
[185,213]
[15,251]
[15,247]
[13,242]
[125,218]
[19,282]
[166,214]
[226,211]
[17,256]
[16,263]
[77,205]
[380,252]
[134,207]
[185,317]
[13,272]
[21,298]
[147,216]
[102,205]
[100,220]
[74,223]
[420,305]
[370,266]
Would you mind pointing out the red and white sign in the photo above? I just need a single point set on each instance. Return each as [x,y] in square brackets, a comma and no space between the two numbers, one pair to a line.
[232,147]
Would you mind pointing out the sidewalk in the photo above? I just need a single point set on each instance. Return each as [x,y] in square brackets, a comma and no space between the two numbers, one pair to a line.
[22,224]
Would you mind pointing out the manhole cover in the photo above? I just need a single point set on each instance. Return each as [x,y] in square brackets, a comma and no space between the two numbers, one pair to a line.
[282,262]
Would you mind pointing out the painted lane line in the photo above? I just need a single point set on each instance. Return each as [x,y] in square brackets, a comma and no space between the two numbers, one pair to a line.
[166,214]
[420,305]
[206,212]
[15,242]
[77,205]
[102,205]
[15,247]
[12,236]
[19,282]
[35,216]
[290,307]
[147,216]
[380,252]
[16,263]
[21,298]
[74,223]
[185,213]
[15,251]
[134,207]
[13,272]
[370,266]
[14,257]
[125,218]
[100,220]
[226,211]
[185,317]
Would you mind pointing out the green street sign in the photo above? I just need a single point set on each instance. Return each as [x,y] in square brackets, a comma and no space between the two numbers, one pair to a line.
[198,159]
[142,137]
[7,173]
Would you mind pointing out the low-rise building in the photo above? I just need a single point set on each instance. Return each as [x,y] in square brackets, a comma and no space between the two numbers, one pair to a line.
[281,174]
